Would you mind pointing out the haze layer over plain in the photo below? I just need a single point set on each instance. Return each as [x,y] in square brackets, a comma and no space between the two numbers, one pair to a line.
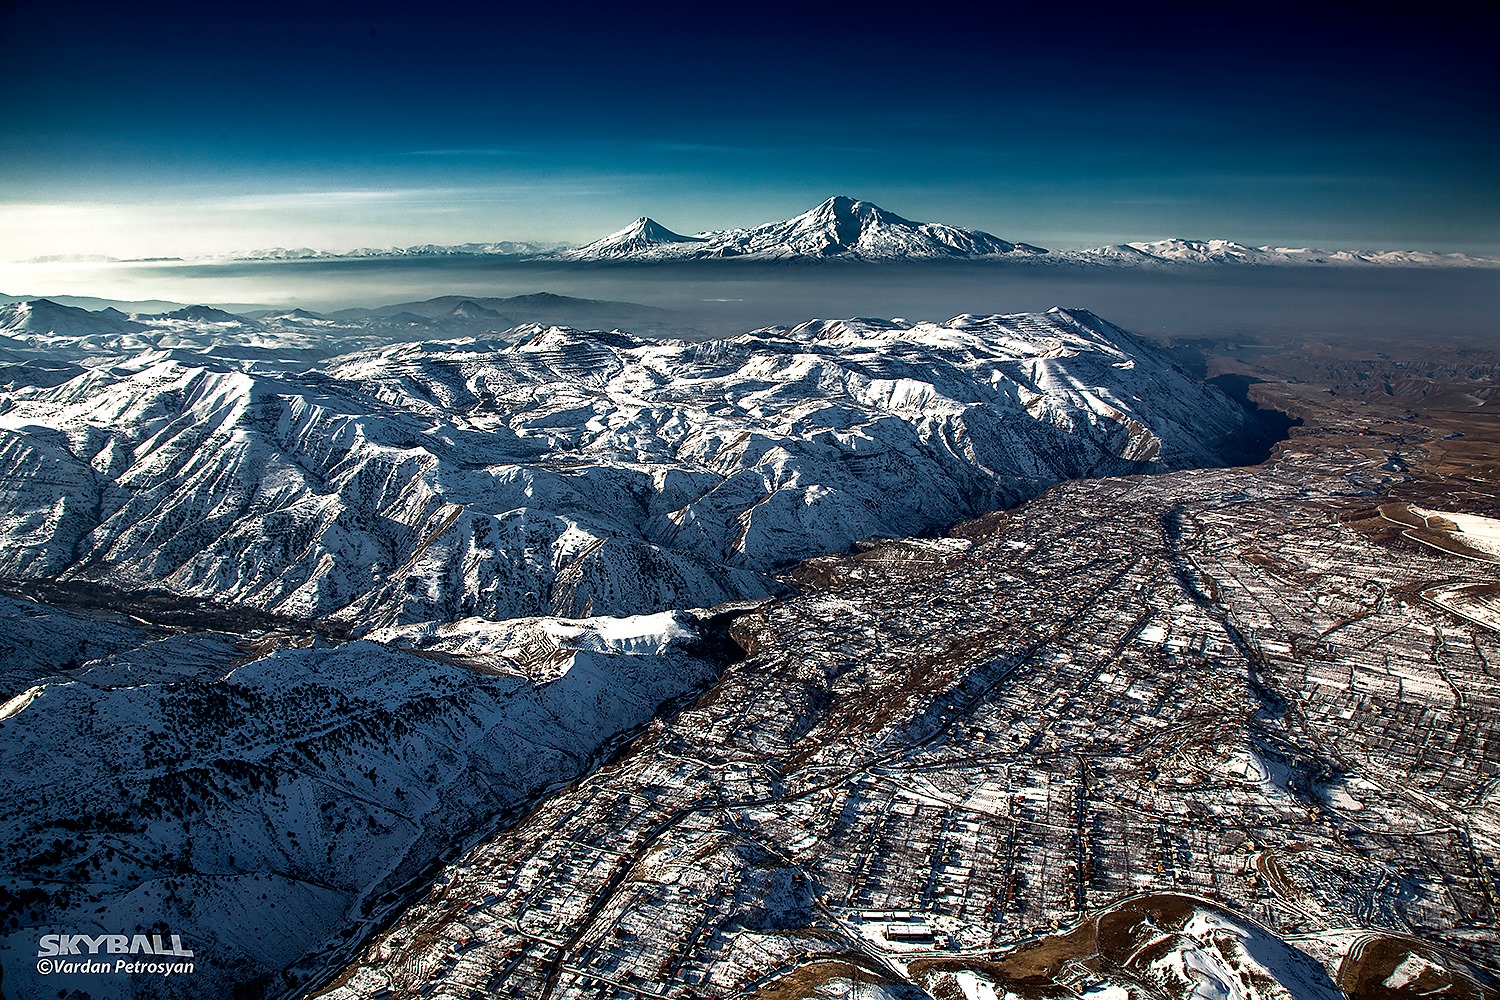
[729,297]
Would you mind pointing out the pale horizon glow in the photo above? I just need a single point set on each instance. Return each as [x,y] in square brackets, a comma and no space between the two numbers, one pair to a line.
[545,213]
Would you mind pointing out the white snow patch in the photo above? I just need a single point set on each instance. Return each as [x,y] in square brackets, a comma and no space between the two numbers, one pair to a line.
[1411,969]
[20,701]
[1481,533]
[980,989]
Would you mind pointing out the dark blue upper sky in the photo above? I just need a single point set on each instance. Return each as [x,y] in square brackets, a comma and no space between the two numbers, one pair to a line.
[165,128]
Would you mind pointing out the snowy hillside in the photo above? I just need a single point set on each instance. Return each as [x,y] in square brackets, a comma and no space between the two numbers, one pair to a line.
[261,804]
[552,471]
[43,317]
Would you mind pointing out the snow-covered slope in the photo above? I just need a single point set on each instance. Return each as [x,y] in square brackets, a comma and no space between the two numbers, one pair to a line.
[260,805]
[840,227]
[559,472]
[45,318]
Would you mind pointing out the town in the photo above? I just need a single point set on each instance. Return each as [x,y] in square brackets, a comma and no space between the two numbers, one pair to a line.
[1220,683]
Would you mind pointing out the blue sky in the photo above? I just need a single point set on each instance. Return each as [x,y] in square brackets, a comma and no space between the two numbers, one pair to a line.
[157,129]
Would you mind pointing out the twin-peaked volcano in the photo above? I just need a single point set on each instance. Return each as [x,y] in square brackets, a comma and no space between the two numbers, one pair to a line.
[840,227]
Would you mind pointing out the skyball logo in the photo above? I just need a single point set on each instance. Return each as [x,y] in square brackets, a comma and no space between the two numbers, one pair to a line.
[63,954]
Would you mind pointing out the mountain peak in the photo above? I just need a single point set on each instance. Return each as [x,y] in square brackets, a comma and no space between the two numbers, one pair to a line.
[469,309]
[195,314]
[647,228]
[642,235]
[845,222]
[841,204]
[44,316]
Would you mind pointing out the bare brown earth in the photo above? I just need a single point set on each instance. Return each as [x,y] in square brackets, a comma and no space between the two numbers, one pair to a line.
[1112,944]
[1372,395]
[1366,972]
[1439,404]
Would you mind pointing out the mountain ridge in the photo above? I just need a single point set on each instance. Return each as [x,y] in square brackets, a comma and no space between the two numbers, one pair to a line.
[399,482]
[844,228]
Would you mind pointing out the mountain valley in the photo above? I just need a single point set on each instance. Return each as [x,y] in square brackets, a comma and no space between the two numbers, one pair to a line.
[857,654]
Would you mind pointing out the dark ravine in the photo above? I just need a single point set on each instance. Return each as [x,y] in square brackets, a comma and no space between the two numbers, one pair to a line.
[1267,427]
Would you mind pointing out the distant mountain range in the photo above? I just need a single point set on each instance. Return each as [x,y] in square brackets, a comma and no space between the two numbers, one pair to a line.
[1178,252]
[45,329]
[502,248]
[844,228]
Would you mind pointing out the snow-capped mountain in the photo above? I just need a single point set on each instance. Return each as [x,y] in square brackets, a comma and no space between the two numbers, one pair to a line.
[840,227]
[642,238]
[553,471]
[1199,251]
[200,314]
[469,309]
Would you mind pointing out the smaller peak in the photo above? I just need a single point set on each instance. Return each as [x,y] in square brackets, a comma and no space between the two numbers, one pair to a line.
[198,313]
[297,314]
[643,232]
[469,309]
